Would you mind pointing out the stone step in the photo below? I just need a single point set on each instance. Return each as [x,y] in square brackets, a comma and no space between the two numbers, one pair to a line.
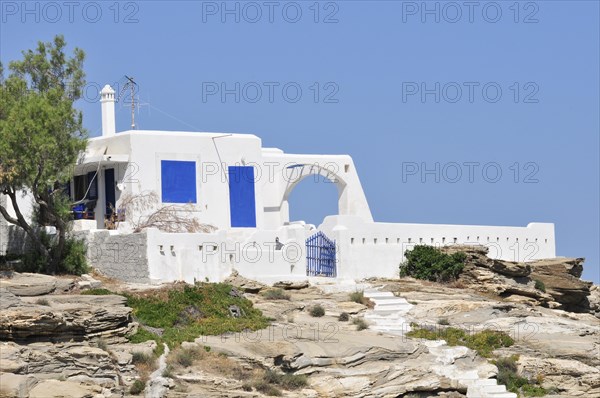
[494,389]
[500,395]
[378,294]
[390,309]
[485,382]
[391,301]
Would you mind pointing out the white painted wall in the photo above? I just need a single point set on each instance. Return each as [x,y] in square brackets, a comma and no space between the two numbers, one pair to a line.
[377,249]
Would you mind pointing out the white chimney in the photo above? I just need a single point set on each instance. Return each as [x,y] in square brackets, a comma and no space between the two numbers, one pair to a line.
[107,101]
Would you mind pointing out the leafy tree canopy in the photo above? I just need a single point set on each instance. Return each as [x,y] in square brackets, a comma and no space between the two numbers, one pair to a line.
[41,136]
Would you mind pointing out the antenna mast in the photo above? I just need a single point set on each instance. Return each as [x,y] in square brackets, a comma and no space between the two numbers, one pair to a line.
[131,84]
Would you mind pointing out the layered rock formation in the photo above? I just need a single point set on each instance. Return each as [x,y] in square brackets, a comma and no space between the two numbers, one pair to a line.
[557,280]
[57,318]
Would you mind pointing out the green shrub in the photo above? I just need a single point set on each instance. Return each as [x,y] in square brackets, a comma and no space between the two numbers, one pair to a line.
[137,387]
[97,292]
[344,317]
[443,322]
[507,375]
[162,308]
[539,285]
[484,342]
[430,263]
[267,389]
[286,381]
[74,260]
[360,324]
[168,372]
[187,356]
[357,297]
[317,311]
[42,301]
[276,294]
[533,390]
[139,358]
[102,344]
[247,386]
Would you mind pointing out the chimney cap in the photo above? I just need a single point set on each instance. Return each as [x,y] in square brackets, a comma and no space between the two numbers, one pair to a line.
[107,90]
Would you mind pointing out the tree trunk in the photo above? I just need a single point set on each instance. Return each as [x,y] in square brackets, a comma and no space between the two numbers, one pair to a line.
[21,222]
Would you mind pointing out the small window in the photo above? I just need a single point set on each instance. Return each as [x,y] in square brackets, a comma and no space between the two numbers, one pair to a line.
[346,168]
[178,181]
[374,241]
[351,241]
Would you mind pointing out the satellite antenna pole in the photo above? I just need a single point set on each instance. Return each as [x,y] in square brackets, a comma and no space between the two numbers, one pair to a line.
[132,85]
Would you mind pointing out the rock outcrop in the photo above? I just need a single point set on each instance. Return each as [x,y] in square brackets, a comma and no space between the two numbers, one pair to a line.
[26,284]
[560,277]
[58,318]
[551,283]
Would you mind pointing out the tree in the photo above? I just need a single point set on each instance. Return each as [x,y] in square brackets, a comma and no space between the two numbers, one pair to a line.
[41,136]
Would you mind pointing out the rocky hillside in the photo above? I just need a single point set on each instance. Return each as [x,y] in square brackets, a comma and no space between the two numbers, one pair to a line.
[323,341]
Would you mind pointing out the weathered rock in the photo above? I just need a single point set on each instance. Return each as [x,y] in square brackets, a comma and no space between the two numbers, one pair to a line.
[27,284]
[16,386]
[247,285]
[563,288]
[73,362]
[64,318]
[561,279]
[594,299]
[570,376]
[292,285]
[510,268]
[63,389]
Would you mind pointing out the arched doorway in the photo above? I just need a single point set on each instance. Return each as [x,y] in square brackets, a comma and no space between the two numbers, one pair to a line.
[312,192]
[312,199]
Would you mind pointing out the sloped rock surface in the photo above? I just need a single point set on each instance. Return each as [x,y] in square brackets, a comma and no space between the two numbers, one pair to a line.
[64,318]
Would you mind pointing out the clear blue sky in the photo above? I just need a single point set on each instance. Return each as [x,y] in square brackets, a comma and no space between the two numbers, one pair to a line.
[370,60]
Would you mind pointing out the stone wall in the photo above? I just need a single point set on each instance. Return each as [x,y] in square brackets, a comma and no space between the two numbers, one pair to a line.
[117,256]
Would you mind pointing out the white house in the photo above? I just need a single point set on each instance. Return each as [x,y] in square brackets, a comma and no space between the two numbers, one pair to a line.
[234,184]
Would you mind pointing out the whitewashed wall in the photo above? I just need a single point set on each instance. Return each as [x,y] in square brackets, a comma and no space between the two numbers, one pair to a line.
[377,249]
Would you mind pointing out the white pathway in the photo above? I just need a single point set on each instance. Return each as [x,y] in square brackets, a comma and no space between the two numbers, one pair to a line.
[389,316]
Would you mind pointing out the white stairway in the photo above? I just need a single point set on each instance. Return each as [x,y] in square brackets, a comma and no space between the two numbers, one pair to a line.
[389,316]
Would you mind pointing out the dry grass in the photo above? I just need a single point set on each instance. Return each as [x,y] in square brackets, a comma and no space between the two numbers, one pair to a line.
[252,377]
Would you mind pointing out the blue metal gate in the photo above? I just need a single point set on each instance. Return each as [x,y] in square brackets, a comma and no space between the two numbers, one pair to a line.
[320,256]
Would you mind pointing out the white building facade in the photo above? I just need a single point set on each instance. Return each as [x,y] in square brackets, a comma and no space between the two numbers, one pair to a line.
[231,182]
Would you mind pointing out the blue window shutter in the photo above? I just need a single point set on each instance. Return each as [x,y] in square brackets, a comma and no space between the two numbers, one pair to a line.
[178,181]
[241,196]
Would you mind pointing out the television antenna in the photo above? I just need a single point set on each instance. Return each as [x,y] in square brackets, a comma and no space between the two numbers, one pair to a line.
[132,86]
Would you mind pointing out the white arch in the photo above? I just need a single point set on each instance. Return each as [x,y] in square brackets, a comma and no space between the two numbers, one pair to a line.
[289,170]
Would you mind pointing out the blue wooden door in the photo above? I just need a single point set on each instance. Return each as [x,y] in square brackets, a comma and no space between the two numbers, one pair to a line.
[320,256]
[242,204]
